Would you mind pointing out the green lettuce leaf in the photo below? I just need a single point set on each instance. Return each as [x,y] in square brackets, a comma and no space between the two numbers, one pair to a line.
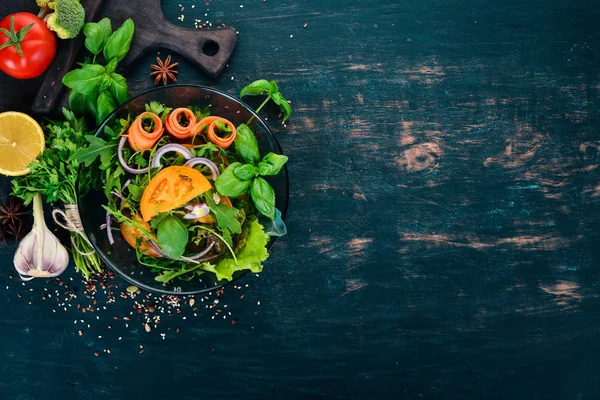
[250,257]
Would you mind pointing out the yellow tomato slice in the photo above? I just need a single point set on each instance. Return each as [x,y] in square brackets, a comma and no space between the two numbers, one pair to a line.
[171,188]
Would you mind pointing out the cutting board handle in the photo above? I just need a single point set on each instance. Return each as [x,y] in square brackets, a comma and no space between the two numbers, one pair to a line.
[209,50]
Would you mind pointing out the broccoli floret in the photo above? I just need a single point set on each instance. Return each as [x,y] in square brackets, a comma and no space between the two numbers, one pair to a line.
[67,19]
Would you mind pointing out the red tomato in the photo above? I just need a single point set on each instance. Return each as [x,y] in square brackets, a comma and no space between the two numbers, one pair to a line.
[38,46]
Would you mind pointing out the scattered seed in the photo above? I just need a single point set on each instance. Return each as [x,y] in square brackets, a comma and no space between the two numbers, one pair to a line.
[132,289]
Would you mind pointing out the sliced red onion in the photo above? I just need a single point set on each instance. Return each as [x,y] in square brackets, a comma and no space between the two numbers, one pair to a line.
[204,161]
[195,258]
[109,234]
[122,160]
[127,182]
[119,195]
[173,147]
[196,211]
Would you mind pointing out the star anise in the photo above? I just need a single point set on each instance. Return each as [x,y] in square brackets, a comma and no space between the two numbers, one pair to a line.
[12,212]
[164,70]
[16,229]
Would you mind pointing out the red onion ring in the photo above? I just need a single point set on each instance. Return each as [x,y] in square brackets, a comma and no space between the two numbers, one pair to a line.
[122,160]
[173,147]
[120,196]
[195,258]
[204,161]
[109,234]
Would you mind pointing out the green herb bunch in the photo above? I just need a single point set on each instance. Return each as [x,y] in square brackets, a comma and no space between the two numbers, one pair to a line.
[96,89]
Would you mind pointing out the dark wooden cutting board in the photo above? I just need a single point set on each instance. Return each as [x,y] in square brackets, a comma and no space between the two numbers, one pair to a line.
[209,50]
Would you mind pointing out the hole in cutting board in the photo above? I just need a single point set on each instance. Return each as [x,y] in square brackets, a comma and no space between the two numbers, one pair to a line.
[210,48]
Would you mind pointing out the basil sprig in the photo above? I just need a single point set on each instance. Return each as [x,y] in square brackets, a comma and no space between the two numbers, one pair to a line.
[261,86]
[240,178]
[96,89]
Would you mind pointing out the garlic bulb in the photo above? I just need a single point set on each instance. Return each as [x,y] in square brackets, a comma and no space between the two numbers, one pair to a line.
[40,254]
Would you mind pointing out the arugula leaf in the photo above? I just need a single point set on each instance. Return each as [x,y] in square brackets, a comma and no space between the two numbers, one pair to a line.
[245,172]
[96,35]
[229,185]
[140,160]
[169,275]
[113,180]
[200,113]
[207,149]
[118,44]
[271,164]
[85,80]
[97,148]
[226,217]
[172,236]
[136,192]
[263,196]
[249,257]
[246,145]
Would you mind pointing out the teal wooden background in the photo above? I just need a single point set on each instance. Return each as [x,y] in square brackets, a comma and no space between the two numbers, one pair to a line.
[443,239]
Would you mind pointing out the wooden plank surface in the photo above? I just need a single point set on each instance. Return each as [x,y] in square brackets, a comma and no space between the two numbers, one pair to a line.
[442,225]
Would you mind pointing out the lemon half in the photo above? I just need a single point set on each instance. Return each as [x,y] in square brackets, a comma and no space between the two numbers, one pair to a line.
[21,140]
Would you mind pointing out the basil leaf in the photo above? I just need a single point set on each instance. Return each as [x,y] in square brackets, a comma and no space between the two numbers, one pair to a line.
[271,164]
[245,172]
[85,80]
[96,35]
[258,87]
[118,44]
[263,197]
[91,102]
[106,105]
[111,66]
[230,185]
[118,88]
[77,103]
[246,145]
[273,227]
[172,236]
[284,106]
[105,84]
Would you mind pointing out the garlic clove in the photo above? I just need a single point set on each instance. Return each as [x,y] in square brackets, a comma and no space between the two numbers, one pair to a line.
[24,255]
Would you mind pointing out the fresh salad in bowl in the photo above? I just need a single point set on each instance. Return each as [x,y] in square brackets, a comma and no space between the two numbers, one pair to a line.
[187,191]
